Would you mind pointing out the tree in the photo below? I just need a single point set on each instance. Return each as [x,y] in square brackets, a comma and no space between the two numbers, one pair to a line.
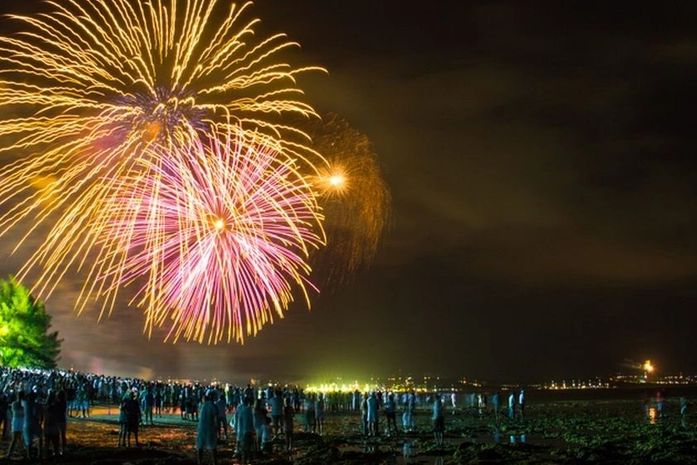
[25,340]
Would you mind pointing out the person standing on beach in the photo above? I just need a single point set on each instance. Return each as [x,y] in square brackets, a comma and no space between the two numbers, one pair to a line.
[148,405]
[391,414]
[660,403]
[496,404]
[70,394]
[438,420]
[62,409]
[277,411]
[195,399]
[123,421]
[244,425]
[259,420]
[408,422]
[511,405]
[249,394]
[288,417]
[310,425]
[206,437]
[183,404]
[296,400]
[521,403]
[266,436]
[82,402]
[4,407]
[33,422]
[372,415]
[133,417]
[319,413]
[18,414]
[221,405]
[356,400]
[159,401]
[364,414]
[51,431]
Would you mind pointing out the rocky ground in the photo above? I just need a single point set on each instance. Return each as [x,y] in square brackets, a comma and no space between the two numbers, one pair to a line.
[555,432]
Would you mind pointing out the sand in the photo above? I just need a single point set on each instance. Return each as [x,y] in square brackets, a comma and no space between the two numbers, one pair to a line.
[621,432]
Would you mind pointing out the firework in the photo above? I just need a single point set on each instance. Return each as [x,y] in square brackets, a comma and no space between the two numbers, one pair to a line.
[353,194]
[332,181]
[94,84]
[222,230]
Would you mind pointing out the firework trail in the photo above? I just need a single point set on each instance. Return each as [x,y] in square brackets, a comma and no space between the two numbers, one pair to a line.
[222,230]
[353,195]
[95,84]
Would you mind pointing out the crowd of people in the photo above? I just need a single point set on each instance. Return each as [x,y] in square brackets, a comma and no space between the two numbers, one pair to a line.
[36,404]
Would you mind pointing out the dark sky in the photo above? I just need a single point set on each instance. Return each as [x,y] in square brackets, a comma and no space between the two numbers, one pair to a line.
[541,158]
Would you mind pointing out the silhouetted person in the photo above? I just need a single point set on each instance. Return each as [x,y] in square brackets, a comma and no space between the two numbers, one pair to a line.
[277,411]
[372,415]
[391,414]
[221,406]
[319,414]
[33,421]
[496,404]
[660,403]
[266,436]
[206,432]
[438,421]
[149,404]
[244,425]
[51,420]
[4,407]
[288,424]
[259,420]
[364,415]
[18,414]
[310,426]
[123,420]
[408,415]
[132,409]
[62,410]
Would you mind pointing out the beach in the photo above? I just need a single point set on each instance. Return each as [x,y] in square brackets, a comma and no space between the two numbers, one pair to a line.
[568,431]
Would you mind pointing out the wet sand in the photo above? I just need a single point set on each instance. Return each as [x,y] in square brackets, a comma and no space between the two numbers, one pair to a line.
[618,432]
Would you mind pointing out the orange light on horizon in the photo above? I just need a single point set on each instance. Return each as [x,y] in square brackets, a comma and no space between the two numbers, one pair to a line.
[648,367]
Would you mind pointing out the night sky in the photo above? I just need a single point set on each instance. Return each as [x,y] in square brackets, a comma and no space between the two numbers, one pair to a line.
[542,163]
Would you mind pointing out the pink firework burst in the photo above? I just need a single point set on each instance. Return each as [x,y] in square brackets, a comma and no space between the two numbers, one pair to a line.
[221,229]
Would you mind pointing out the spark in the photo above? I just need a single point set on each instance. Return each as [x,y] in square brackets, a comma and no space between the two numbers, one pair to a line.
[219,225]
[332,180]
[337,180]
